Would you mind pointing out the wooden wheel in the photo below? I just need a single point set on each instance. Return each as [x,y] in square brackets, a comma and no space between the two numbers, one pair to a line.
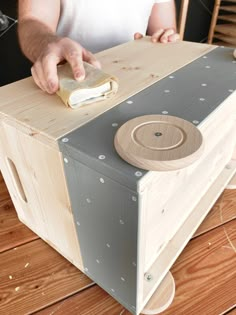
[159,142]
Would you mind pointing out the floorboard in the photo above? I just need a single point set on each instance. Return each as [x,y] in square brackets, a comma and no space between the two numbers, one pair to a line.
[34,276]
[35,279]
[12,232]
[223,211]
[205,276]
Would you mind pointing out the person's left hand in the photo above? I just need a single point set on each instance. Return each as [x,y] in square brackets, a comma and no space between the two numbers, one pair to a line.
[161,35]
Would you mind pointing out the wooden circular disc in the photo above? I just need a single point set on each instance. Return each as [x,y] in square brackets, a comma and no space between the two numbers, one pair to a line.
[159,142]
[162,297]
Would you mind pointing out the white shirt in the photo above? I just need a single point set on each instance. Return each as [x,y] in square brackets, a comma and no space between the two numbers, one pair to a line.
[101,24]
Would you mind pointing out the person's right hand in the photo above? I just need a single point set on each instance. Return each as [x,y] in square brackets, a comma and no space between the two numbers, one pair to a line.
[44,70]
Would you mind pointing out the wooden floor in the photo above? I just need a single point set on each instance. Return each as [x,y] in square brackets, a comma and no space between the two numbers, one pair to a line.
[35,279]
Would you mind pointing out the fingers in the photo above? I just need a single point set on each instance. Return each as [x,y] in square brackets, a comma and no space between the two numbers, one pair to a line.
[174,37]
[138,36]
[44,71]
[164,36]
[75,54]
[90,58]
[157,35]
[76,62]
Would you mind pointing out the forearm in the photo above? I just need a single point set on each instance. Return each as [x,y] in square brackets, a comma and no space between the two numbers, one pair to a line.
[37,24]
[163,16]
[34,37]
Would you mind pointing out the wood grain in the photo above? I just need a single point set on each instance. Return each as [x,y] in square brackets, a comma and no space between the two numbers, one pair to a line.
[99,301]
[34,276]
[92,301]
[132,63]
[162,297]
[43,203]
[159,142]
[205,275]
[223,211]
[12,232]
[4,195]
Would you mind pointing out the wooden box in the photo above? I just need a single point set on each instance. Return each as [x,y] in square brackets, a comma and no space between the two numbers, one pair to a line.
[121,225]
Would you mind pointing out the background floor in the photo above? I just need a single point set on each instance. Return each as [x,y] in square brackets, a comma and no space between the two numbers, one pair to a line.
[14,66]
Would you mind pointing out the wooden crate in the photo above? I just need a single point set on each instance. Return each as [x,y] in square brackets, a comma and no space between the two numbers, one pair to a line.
[122,226]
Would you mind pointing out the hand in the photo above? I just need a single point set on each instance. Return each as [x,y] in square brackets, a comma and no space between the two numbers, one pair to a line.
[161,35]
[44,70]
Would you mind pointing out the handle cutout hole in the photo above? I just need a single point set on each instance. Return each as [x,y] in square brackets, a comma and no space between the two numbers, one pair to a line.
[16,180]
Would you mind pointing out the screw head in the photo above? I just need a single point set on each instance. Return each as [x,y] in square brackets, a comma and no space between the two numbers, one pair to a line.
[148,277]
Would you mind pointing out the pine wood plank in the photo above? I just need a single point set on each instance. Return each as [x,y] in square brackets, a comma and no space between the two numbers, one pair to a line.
[174,246]
[34,276]
[205,275]
[223,211]
[47,119]
[230,17]
[12,232]
[35,177]
[227,29]
[230,8]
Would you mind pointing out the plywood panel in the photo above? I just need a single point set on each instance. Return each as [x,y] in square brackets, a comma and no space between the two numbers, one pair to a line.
[34,276]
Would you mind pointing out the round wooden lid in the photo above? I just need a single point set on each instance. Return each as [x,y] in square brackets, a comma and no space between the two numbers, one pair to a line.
[159,142]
